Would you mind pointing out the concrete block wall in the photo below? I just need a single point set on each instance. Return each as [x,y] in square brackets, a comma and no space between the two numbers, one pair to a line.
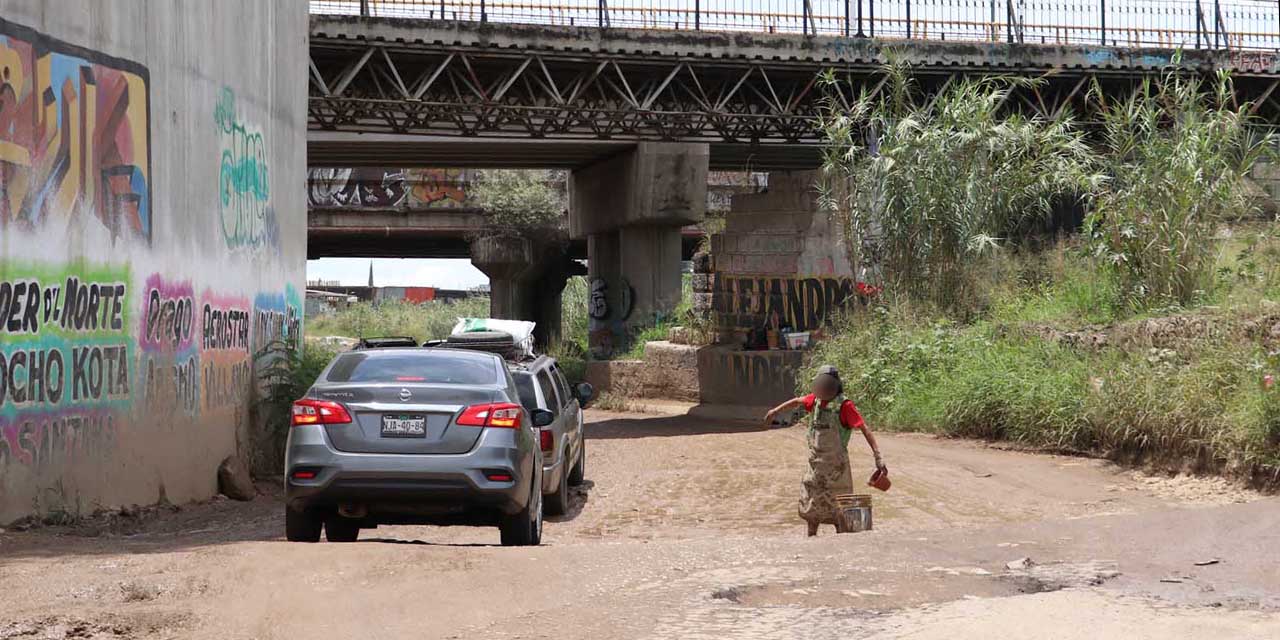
[779,255]
[152,238]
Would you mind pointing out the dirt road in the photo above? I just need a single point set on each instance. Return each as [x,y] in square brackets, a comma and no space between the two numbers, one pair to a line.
[687,529]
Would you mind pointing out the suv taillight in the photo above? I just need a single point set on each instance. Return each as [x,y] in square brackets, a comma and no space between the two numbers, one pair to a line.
[546,440]
[319,412]
[502,414]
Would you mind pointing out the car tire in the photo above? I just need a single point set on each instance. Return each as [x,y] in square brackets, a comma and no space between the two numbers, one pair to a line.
[579,473]
[524,528]
[340,529]
[302,526]
[557,504]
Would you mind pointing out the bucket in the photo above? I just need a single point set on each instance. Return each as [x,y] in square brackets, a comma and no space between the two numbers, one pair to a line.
[853,512]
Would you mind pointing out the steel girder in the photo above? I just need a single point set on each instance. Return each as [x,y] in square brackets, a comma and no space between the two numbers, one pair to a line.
[474,91]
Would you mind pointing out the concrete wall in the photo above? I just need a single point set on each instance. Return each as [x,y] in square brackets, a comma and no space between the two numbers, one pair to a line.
[152,237]
[668,371]
[779,255]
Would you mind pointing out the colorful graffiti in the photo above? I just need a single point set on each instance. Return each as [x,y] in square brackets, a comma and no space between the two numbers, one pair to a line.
[170,364]
[389,188]
[225,325]
[244,185]
[802,304]
[74,136]
[65,359]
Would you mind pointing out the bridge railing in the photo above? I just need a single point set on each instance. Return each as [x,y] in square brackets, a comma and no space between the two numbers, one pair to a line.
[1188,24]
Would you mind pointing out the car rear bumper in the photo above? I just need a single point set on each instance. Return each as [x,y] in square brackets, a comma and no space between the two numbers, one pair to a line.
[399,488]
[551,476]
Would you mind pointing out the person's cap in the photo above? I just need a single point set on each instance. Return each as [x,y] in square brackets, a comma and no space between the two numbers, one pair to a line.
[827,370]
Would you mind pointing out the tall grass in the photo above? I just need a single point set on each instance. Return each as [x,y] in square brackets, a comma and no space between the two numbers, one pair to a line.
[933,186]
[1176,156]
[426,321]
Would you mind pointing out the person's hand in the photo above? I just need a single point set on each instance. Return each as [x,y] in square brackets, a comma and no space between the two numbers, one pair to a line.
[769,417]
[880,462]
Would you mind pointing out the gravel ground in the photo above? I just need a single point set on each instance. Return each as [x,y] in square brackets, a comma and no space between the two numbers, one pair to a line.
[686,529]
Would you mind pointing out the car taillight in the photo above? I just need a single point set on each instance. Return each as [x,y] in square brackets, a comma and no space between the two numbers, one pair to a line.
[319,412]
[503,414]
[545,439]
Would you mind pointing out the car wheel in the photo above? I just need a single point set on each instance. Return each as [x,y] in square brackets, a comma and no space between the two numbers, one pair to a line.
[579,473]
[524,528]
[340,529]
[302,526]
[557,504]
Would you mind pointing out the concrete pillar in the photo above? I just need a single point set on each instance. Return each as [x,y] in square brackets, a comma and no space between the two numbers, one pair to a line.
[631,208]
[526,280]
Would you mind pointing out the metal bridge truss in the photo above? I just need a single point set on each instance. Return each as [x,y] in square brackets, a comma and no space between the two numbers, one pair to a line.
[442,90]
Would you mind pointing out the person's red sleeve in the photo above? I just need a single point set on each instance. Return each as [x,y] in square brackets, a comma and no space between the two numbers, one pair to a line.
[809,401]
[849,416]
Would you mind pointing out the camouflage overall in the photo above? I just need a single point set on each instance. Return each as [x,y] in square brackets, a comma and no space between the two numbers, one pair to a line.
[828,474]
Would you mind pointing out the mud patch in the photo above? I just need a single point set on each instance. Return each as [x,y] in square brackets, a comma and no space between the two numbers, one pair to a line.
[101,627]
[889,591]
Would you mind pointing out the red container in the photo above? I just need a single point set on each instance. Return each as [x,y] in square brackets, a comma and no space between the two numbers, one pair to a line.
[880,480]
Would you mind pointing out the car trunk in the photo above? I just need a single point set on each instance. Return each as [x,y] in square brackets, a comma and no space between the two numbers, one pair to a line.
[405,418]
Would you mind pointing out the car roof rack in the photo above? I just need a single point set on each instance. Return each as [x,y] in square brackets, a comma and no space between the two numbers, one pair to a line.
[386,342]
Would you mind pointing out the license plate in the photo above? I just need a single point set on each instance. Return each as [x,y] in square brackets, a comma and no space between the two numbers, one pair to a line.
[404,427]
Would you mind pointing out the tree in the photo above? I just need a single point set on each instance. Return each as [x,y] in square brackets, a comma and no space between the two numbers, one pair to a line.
[518,202]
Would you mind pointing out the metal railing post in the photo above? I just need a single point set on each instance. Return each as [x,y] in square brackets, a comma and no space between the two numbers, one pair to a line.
[600,9]
[697,15]
[1103,8]
[1217,21]
[846,18]
[364,8]
[860,33]
[908,19]
[872,24]
[1008,19]
[484,15]
[804,16]
[1199,22]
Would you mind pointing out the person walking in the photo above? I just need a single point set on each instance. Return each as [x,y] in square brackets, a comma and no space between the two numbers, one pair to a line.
[832,421]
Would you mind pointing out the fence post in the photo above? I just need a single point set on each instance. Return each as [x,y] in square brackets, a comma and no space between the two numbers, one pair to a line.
[804,16]
[846,18]
[1103,9]
[908,19]
[484,16]
[697,15]
[872,23]
[600,9]
[364,8]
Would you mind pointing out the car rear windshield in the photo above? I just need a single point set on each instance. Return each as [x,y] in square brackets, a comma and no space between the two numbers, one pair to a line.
[414,366]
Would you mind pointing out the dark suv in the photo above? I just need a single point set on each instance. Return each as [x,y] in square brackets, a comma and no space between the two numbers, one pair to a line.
[414,436]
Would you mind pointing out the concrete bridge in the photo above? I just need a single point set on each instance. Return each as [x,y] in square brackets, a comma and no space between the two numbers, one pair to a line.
[639,116]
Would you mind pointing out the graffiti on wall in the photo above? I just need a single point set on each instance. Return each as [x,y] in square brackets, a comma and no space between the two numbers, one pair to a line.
[801,303]
[74,136]
[389,188]
[169,363]
[65,360]
[225,326]
[244,185]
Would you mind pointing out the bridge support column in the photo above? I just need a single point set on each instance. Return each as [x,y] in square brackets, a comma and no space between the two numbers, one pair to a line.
[631,209]
[526,279]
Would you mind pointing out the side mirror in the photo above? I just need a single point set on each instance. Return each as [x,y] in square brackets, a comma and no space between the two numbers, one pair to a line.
[543,418]
[585,392]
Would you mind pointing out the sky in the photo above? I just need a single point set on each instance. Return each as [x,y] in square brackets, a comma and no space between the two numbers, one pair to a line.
[398,272]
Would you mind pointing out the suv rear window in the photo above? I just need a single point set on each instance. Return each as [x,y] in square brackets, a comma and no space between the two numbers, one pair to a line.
[413,366]
[528,398]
